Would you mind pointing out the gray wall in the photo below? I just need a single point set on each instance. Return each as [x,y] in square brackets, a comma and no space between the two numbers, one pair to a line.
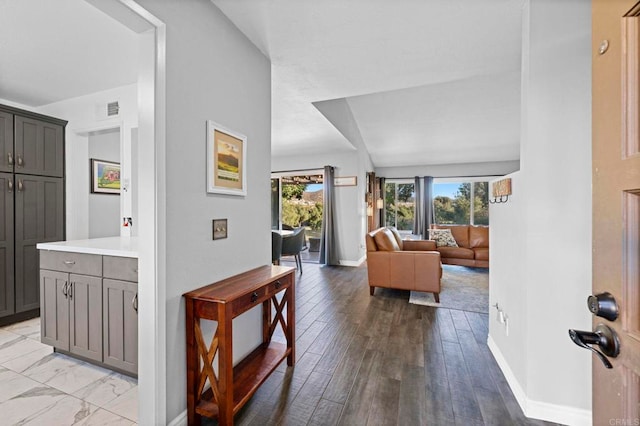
[541,239]
[213,73]
[104,209]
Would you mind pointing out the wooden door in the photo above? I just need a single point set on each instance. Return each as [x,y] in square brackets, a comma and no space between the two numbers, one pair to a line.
[85,316]
[39,147]
[6,142]
[120,307]
[616,203]
[39,217]
[7,305]
[54,315]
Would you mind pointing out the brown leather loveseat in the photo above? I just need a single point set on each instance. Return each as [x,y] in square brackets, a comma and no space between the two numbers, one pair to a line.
[402,264]
[473,246]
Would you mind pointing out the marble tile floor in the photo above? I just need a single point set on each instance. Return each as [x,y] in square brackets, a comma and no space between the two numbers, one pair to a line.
[41,387]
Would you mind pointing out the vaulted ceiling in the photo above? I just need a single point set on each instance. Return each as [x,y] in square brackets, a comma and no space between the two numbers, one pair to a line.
[426,81]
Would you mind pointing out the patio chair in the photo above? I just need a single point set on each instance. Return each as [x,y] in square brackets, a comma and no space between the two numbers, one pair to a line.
[276,247]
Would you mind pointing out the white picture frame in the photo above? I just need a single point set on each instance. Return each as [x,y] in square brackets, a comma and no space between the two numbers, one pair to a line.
[226,160]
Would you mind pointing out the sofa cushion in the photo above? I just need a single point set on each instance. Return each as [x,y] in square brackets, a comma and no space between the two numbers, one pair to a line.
[456,252]
[442,237]
[397,236]
[481,253]
[460,233]
[386,241]
[478,236]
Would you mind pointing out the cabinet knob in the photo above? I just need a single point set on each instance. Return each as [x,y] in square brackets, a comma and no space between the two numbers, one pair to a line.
[20,186]
[10,184]
[64,289]
[10,158]
[278,284]
[134,303]
[254,296]
[69,262]
[20,162]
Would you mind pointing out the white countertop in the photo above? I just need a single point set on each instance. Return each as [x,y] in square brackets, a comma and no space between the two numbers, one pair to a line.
[109,246]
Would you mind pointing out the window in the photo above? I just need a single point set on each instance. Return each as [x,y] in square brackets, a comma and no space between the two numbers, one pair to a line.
[399,202]
[461,203]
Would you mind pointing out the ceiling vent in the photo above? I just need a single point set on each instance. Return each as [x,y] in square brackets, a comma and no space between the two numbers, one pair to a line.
[107,111]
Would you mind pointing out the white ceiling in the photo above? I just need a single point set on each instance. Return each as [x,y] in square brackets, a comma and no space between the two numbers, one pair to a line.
[428,81]
[55,50]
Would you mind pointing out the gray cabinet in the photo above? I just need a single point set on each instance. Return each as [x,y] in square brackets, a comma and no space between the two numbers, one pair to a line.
[39,147]
[39,217]
[32,198]
[71,308]
[7,306]
[120,326]
[89,307]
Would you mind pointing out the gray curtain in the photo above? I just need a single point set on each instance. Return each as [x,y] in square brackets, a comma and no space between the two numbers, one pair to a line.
[418,211]
[328,242]
[381,212]
[424,211]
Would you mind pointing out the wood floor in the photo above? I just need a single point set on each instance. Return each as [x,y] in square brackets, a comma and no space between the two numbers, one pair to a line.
[379,360]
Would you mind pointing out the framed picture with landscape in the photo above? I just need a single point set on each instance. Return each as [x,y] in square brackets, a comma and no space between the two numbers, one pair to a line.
[226,161]
[105,177]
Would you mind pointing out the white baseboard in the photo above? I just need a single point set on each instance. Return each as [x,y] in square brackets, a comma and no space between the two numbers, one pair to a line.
[181,420]
[354,263]
[535,409]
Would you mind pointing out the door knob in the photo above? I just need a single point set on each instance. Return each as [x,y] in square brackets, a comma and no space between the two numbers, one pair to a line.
[603,336]
[603,305]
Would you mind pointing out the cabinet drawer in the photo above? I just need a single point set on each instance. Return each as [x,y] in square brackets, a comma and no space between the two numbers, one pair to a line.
[77,263]
[248,301]
[120,268]
[278,286]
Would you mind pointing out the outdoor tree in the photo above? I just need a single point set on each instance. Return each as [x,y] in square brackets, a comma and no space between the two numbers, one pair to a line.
[293,190]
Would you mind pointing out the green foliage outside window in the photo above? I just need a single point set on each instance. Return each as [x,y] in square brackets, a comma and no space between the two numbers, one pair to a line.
[399,205]
[457,210]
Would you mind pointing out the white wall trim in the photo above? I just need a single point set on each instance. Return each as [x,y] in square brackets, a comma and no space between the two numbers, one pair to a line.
[180,420]
[535,409]
[354,263]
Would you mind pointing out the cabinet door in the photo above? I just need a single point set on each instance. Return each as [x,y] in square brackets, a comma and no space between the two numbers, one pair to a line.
[39,147]
[6,245]
[120,324]
[6,142]
[85,317]
[54,313]
[39,210]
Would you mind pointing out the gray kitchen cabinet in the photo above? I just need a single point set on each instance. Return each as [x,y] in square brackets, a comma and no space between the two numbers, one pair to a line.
[54,311]
[32,197]
[71,308]
[39,147]
[39,217]
[7,306]
[120,326]
[89,307]
[6,142]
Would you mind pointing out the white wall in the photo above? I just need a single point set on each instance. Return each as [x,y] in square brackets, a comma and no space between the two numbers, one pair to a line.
[541,238]
[497,168]
[81,112]
[104,209]
[351,219]
[213,73]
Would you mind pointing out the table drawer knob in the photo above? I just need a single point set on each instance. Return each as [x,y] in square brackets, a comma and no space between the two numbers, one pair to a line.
[254,296]
[278,284]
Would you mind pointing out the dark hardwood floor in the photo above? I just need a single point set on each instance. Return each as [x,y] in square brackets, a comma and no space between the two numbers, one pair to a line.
[364,360]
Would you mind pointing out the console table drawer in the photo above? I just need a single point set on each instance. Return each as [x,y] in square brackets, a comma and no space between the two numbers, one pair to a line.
[77,263]
[248,301]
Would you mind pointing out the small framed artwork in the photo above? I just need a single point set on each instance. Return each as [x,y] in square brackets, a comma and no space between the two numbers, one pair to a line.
[345,181]
[219,229]
[226,161]
[105,177]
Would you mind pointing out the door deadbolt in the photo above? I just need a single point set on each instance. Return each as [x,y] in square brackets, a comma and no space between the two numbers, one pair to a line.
[603,305]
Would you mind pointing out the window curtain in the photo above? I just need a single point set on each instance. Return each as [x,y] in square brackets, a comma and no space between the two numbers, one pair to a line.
[382,211]
[328,242]
[418,211]
[424,211]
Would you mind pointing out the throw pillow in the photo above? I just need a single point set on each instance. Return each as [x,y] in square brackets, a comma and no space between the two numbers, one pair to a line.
[386,241]
[442,237]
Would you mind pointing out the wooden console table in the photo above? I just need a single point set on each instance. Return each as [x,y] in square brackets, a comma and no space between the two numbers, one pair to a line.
[222,302]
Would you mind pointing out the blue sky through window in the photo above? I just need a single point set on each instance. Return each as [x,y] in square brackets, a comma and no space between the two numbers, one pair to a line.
[313,187]
[445,189]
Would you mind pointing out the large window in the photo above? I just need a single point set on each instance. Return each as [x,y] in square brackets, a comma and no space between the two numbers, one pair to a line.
[399,202]
[461,203]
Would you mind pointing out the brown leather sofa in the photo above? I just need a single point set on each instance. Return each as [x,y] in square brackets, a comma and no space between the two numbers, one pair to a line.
[473,246]
[405,265]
